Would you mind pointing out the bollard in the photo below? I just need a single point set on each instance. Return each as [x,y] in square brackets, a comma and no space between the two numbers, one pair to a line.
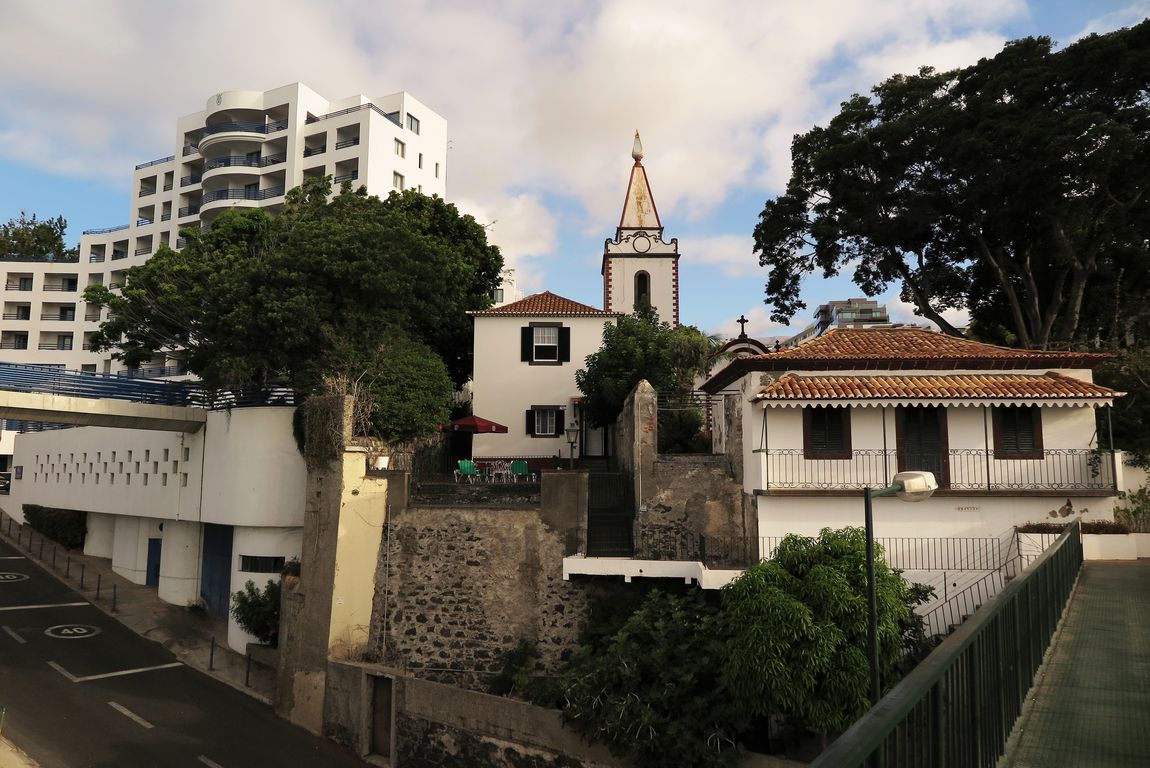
[248,673]
[41,555]
[113,598]
[68,568]
[82,566]
[53,557]
[99,578]
[212,655]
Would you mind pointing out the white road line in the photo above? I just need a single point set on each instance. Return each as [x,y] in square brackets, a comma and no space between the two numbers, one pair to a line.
[130,714]
[12,634]
[209,763]
[47,605]
[106,675]
[8,557]
[62,671]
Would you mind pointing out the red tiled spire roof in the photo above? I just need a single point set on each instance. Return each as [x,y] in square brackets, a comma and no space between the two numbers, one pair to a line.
[1050,386]
[545,303]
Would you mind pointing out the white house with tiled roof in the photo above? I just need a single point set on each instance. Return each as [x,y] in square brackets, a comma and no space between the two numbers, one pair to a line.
[527,351]
[1010,434]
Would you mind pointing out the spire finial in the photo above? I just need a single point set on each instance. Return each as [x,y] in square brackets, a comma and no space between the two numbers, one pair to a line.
[637,150]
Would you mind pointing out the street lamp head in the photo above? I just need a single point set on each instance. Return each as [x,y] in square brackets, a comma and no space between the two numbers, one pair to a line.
[572,433]
[915,486]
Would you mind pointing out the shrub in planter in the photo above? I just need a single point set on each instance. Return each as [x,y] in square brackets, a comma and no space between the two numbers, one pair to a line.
[1092,526]
[64,526]
[258,612]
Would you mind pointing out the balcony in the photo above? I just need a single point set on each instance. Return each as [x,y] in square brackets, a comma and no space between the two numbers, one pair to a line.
[143,251]
[241,131]
[315,150]
[117,255]
[352,142]
[55,345]
[241,194]
[105,230]
[92,317]
[970,472]
[190,149]
[244,162]
[23,285]
[18,344]
[190,210]
[187,181]
[63,287]
[56,316]
[162,160]
[346,177]
[17,316]
[96,258]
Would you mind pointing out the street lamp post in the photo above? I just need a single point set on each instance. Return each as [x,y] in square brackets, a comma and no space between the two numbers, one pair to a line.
[572,433]
[909,486]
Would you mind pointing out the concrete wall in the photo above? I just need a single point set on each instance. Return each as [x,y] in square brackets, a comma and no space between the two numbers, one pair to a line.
[130,547]
[101,535]
[637,436]
[269,542]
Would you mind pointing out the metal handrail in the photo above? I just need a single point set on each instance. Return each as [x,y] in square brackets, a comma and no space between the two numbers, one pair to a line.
[56,316]
[190,149]
[241,194]
[958,706]
[190,210]
[150,163]
[315,150]
[353,176]
[264,128]
[105,230]
[959,469]
[392,116]
[15,316]
[234,161]
[352,142]
[187,181]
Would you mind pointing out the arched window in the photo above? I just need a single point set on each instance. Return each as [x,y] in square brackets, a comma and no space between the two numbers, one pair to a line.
[642,290]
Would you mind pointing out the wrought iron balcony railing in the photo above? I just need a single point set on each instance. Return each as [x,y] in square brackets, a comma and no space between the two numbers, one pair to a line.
[966,469]
[264,128]
[242,194]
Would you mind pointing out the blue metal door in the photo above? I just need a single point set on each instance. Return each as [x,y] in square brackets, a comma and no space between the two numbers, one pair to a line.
[216,569]
[152,574]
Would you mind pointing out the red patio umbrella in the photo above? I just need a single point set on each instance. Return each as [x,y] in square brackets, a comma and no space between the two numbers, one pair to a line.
[476,424]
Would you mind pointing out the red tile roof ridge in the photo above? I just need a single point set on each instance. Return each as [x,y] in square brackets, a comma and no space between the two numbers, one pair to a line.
[545,303]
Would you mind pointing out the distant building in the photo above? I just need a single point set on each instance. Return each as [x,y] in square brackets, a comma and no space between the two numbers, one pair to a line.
[244,149]
[846,313]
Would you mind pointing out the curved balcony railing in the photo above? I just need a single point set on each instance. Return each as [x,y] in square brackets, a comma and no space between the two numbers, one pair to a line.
[244,162]
[263,128]
[966,469]
[241,194]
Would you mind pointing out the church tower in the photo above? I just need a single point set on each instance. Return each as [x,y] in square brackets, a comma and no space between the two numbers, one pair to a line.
[639,267]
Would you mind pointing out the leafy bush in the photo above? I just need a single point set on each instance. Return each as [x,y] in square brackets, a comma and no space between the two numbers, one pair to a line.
[64,526]
[1134,509]
[258,613]
[1088,526]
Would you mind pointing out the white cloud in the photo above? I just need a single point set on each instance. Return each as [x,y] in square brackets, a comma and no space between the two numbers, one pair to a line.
[1127,16]
[731,255]
[759,325]
[903,312]
[524,230]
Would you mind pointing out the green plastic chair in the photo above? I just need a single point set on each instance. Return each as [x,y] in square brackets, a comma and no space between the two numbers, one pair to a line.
[519,470]
[467,471]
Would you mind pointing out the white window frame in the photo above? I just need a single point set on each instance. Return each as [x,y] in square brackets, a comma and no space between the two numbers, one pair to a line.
[546,422]
[397,180]
[400,148]
[545,343]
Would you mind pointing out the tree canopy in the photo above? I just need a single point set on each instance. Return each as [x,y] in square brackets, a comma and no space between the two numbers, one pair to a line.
[683,678]
[313,291]
[27,238]
[641,347]
[1015,188]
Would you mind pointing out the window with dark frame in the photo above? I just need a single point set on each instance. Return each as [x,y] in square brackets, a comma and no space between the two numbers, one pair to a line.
[1018,432]
[545,344]
[261,564]
[544,421]
[826,433]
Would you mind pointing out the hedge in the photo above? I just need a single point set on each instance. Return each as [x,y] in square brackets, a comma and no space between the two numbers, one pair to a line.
[64,526]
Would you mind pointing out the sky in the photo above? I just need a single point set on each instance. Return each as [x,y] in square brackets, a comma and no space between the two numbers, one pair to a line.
[542,100]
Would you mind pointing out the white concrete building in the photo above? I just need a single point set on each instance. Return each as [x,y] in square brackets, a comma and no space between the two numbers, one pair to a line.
[1009,433]
[194,514]
[246,149]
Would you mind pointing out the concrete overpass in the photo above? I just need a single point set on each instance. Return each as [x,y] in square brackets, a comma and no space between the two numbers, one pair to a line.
[99,412]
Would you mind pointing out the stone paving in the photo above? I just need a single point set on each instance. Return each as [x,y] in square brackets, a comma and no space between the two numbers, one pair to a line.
[1090,705]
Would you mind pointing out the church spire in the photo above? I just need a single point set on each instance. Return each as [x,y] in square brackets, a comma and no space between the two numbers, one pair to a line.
[639,207]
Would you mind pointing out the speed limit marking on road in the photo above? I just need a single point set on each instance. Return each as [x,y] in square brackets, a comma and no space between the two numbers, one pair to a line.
[72,631]
[8,578]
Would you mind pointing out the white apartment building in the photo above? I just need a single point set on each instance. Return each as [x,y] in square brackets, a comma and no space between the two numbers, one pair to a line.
[246,149]
[197,514]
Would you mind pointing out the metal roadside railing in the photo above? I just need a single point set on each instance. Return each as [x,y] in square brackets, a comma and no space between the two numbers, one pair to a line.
[958,706]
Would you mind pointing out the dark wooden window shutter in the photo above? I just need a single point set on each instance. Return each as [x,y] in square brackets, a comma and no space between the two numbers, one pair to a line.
[564,345]
[530,422]
[526,344]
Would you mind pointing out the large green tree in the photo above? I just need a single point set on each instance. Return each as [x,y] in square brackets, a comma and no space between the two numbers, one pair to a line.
[310,292]
[641,347]
[28,238]
[1014,187]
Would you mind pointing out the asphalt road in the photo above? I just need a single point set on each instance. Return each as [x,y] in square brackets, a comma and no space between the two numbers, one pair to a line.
[80,690]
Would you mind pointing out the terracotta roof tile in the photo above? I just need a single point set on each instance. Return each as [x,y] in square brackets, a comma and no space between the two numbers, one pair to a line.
[913,387]
[907,344]
[545,303]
